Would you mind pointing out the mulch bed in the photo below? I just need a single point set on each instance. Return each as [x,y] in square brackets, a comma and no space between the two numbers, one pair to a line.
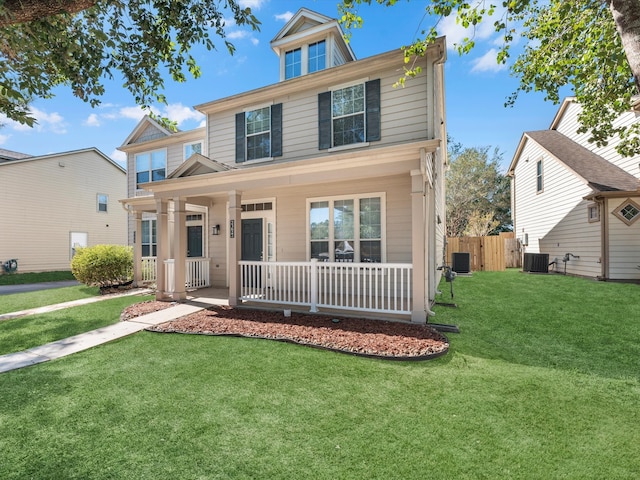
[370,338]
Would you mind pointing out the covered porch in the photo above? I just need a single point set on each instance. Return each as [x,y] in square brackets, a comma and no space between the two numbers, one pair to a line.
[280,273]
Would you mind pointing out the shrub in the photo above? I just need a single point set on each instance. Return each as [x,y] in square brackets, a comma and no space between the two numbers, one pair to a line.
[103,265]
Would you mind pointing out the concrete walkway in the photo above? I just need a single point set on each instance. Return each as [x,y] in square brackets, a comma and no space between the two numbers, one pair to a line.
[84,341]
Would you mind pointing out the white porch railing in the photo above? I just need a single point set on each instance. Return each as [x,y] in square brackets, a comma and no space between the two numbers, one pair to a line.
[148,267]
[373,287]
[197,273]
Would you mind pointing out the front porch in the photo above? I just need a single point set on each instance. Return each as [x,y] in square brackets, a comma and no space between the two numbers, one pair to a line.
[359,240]
[376,288]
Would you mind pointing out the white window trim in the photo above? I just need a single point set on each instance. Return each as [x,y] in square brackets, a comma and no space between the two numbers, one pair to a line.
[357,239]
[186,144]
[98,203]
[246,136]
[541,163]
[149,152]
[597,217]
[350,146]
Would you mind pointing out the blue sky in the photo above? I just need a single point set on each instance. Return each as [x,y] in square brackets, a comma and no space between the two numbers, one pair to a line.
[476,87]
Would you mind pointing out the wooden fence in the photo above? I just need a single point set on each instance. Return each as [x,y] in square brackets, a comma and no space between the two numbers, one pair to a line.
[494,253]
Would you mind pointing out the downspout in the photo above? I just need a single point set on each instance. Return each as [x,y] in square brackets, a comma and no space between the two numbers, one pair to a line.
[603,205]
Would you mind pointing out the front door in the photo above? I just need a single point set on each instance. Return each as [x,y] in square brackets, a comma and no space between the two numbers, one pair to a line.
[194,241]
[252,249]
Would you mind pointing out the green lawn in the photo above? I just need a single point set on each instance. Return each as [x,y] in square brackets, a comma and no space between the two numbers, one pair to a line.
[39,277]
[26,332]
[543,382]
[23,301]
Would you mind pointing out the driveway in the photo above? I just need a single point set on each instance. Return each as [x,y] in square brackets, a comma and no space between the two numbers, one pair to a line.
[32,287]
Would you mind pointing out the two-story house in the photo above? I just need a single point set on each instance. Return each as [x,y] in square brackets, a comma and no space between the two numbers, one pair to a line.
[55,203]
[575,204]
[323,190]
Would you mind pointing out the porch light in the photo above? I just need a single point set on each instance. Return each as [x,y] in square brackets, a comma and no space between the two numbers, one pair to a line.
[215,230]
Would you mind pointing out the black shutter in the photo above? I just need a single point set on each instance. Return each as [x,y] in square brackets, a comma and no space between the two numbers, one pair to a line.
[324,120]
[372,92]
[276,130]
[240,138]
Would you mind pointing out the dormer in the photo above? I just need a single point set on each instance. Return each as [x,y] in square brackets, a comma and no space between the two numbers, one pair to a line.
[310,42]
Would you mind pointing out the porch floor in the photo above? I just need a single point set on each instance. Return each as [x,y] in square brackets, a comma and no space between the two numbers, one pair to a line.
[220,296]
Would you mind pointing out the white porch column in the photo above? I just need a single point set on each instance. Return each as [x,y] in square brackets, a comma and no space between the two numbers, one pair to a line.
[179,248]
[162,248]
[234,245]
[137,249]
[418,248]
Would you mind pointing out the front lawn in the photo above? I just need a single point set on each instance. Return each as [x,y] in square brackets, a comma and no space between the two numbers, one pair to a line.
[26,332]
[24,301]
[543,382]
[35,277]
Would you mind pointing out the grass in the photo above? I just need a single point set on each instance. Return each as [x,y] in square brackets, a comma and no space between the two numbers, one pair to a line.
[23,301]
[30,331]
[38,277]
[542,382]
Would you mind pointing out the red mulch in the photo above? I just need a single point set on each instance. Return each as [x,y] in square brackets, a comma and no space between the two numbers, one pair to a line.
[374,338]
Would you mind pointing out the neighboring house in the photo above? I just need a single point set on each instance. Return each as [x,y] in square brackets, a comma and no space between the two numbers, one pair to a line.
[53,203]
[572,197]
[325,189]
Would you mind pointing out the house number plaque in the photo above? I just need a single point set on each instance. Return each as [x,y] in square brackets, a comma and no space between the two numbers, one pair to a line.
[232,228]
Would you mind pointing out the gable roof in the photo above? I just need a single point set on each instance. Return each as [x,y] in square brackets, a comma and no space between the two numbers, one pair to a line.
[600,174]
[198,164]
[146,125]
[305,23]
[64,154]
[10,155]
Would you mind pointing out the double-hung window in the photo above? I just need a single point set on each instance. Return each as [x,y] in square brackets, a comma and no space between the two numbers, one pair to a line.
[259,133]
[151,166]
[103,201]
[346,229]
[349,115]
[539,178]
[193,147]
[148,238]
[293,63]
[317,56]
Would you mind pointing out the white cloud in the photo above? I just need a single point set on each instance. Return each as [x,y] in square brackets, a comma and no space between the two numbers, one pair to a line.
[134,113]
[238,34]
[252,4]
[488,63]
[255,41]
[4,138]
[203,123]
[180,113]
[284,17]
[92,121]
[456,33]
[119,157]
[47,122]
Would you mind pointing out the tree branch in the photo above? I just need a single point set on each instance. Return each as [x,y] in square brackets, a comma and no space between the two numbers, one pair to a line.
[21,11]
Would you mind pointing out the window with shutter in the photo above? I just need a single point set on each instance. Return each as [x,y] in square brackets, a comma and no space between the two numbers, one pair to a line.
[349,115]
[259,133]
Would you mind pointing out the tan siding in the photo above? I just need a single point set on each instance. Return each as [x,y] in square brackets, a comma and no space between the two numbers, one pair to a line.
[624,245]
[43,202]
[404,118]
[291,227]
[537,214]
[569,125]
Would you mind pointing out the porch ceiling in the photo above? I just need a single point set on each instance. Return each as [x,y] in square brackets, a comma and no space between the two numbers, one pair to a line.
[339,166]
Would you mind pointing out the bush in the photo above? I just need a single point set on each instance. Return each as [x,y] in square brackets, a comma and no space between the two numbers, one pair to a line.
[103,265]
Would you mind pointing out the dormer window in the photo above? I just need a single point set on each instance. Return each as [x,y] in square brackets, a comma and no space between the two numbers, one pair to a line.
[317,56]
[293,63]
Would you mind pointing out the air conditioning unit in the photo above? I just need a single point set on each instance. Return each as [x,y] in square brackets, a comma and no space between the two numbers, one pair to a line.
[536,262]
[461,262]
